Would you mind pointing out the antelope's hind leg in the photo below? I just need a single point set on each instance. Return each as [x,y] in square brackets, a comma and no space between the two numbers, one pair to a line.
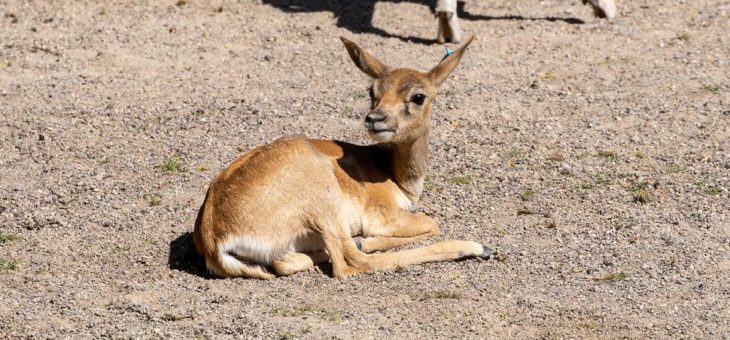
[293,262]
[304,253]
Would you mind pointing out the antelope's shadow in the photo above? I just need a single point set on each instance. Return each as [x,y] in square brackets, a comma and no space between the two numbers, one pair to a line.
[357,16]
[184,257]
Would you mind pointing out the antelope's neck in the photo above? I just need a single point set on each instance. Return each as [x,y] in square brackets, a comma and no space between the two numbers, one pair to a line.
[410,163]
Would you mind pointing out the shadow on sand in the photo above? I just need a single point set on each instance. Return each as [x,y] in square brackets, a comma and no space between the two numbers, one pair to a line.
[357,16]
[184,257]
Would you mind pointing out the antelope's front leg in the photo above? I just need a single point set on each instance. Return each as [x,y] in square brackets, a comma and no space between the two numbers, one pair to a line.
[403,228]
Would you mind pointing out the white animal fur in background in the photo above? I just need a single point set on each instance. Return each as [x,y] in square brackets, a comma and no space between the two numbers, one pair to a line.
[448,20]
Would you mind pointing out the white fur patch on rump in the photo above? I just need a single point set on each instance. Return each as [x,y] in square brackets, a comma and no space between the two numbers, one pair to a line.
[248,249]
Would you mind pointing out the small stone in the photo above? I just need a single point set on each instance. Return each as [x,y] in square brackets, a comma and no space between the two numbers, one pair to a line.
[564,168]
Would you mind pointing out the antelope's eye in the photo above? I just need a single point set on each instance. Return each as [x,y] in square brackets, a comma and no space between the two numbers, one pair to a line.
[418,99]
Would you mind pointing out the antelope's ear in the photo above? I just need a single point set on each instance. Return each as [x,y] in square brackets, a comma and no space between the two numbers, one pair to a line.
[363,60]
[442,71]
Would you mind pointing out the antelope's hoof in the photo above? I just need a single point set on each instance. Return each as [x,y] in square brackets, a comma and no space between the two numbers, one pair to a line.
[487,253]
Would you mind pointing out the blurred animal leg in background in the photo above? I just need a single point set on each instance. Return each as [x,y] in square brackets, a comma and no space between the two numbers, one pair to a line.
[603,8]
[448,21]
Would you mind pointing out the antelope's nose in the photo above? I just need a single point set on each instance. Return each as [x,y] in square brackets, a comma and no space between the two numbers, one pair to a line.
[374,117]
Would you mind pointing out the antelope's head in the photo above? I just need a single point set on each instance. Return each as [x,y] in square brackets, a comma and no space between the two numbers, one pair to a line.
[401,98]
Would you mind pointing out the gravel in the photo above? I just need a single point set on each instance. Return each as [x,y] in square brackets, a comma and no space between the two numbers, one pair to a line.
[613,136]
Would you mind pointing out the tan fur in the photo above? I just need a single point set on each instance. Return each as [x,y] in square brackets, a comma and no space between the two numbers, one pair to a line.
[297,202]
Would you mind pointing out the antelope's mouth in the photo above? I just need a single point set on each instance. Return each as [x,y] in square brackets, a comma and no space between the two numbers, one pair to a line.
[377,130]
[381,134]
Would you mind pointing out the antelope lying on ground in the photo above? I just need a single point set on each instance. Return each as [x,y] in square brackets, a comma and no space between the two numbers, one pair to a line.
[448,20]
[297,202]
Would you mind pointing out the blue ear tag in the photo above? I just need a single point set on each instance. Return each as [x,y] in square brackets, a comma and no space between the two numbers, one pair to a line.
[447,54]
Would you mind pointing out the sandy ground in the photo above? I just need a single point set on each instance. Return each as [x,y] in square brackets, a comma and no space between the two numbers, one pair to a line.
[612,137]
